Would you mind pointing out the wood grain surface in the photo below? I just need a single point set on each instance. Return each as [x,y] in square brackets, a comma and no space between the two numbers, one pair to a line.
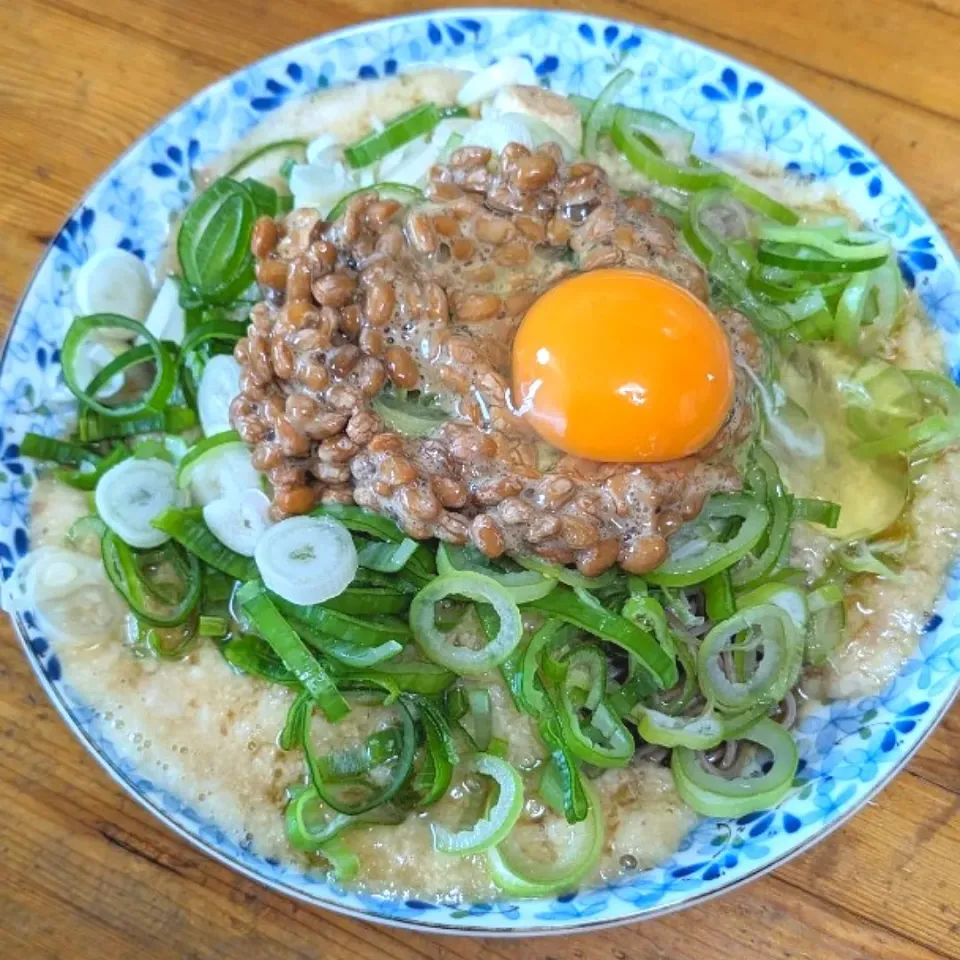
[85,874]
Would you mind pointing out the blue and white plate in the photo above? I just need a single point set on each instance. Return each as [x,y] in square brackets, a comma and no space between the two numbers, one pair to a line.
[849,749]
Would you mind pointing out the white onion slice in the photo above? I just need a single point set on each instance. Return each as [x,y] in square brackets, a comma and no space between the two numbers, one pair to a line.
[167,320]
[219,387]
[483,85]
[131,494]
[239,520]
[114,281]
[66,592]
[225,471]
[307,559]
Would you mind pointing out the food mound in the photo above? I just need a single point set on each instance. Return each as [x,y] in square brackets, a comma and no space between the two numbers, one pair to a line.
[488,487]
[429,299]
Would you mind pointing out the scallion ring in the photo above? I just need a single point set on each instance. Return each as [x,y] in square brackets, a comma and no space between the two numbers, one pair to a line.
[715,796]
[436,645]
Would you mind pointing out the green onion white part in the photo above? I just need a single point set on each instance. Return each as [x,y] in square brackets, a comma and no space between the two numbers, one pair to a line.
[307,560]
[485,83]
[167,320]
[114,281]
[239,520]
[222,470]
[92,357]
[219,387]
[131,494]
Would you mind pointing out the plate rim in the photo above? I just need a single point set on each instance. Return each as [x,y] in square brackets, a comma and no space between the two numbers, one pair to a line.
[423,923]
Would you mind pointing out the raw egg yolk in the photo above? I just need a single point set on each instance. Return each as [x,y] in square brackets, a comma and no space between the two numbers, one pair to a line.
[622,366]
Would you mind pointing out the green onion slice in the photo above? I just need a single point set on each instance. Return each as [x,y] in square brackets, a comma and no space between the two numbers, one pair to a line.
[499,820]
[696,550]
[408,126]
[815,510]
[565,605]
[213,243]
[715,796]
[389,770]
[645,156]
[160,586]
[766,627]
[387,557]
[440,756]
[279,150]
[522,585]
[154,398]
[436,645]
[526,866]
[600,115]
[391,191]
[188,528]
[253,655]
[572,578]
[416,415]
[253,600]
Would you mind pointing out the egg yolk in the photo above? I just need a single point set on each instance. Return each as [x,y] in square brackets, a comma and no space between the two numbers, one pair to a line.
[621,365]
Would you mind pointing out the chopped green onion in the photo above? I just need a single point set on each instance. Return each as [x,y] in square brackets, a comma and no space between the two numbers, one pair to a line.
[387,557]
[767,627]
[718,593]
[713,795]
[188,528]
[212,627]
[436,645]
[343,626]
[522,585]
[408,126]
[697,553]
[284,149]
[93,427]
[565,605]
[369,601]
[516,869]
[492,828]
[359,794]
[827,620]
[807,259]
[764,479]
[256,604]
[600,115]
[253,655]
[416,416]
[213,243]
[814,510]
[358,520]
[391,191]
[644,156]
[435,776]
[310,823]
[155,397]
[572,578]
[39,447]
[160,586]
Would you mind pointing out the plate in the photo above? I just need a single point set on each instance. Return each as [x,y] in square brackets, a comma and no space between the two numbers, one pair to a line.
[849,749]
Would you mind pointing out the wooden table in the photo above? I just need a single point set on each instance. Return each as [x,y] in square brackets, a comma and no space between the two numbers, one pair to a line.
[84,872]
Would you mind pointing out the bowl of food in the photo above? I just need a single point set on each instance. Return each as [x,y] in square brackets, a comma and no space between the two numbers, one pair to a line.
[491,471]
